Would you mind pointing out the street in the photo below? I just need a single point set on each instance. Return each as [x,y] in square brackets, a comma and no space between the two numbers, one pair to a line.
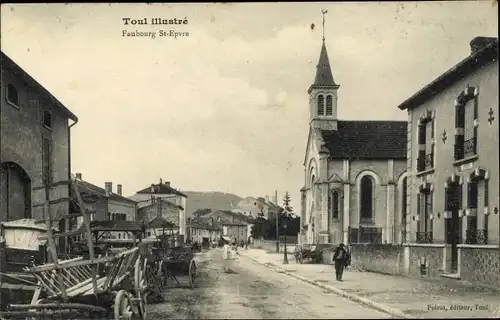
[251,291]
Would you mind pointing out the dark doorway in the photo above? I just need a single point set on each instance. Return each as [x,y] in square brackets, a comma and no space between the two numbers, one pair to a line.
[15,192]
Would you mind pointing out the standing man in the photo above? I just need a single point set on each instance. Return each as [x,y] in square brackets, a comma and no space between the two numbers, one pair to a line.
[340,258]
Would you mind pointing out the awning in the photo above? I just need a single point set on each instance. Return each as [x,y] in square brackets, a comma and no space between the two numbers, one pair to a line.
[226,238]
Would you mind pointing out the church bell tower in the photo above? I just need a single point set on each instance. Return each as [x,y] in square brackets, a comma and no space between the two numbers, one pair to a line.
[323,93]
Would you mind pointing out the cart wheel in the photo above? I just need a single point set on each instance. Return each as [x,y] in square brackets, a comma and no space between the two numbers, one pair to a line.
[192,273]
[123,306]
[139,281]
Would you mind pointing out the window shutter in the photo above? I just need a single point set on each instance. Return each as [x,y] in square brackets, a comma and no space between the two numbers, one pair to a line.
[476,106]
[460,196]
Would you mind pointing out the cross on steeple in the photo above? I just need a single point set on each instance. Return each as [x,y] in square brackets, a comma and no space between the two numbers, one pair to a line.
[323,12]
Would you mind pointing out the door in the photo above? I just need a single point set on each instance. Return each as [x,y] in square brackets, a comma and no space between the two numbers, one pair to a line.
[453,225]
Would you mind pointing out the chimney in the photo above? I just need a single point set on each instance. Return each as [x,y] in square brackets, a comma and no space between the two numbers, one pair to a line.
[79,176]
[267,198]
[119,189]
[479,43]
[108,187]
[167,183]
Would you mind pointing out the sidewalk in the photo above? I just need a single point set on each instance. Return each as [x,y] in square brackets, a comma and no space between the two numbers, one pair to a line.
[399,296]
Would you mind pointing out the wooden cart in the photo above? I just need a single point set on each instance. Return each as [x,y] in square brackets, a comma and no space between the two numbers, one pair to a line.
[85,288]
[179,262]
[308,251]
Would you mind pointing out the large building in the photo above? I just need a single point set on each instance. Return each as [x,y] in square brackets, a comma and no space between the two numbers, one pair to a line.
[354,172]
[453,186]
[256,207]
[164,191]
[35,148]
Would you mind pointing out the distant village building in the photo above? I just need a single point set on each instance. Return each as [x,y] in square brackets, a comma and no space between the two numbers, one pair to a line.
[256,207]
[35,147]
[354,172]
[164,191]
[148,210]
[104,205]
[204,230]
[453,188]
[234,225]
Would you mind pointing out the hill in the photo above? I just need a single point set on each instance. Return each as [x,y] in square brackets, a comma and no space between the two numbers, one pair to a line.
[213,200]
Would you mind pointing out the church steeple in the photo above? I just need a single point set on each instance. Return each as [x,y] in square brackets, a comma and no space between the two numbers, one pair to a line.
[323,92]
[324,76]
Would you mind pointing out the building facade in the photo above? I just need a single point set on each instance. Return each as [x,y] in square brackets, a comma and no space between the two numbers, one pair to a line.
[204,230]
[35,149]
[256,207]
[235,226]
[164,191]
[354,172]
[453,181]
[104,204]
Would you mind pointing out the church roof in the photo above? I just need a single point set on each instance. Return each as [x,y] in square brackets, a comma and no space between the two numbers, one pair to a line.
[324,76]
[367,140]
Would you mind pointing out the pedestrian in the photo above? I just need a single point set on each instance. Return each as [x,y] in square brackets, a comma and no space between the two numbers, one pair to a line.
[340,259]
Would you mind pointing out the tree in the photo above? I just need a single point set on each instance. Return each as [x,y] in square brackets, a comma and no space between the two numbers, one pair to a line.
[287,208]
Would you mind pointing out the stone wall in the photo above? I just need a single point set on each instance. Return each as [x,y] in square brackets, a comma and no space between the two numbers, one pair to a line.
[383,258]
[480,265]
[433,257]
[270,245]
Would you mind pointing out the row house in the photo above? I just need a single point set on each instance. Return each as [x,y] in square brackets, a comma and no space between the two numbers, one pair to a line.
[165,191]
[104,204]
[453,182]
[204,230]
[235,226]
[35,148]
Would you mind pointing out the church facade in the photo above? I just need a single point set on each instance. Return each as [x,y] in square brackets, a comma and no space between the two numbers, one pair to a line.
[354,172]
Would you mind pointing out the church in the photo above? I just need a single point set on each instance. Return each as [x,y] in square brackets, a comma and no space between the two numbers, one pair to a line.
[354,172]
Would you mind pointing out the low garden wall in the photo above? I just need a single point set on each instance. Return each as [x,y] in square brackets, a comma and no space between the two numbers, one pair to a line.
[480,264]
[382,258]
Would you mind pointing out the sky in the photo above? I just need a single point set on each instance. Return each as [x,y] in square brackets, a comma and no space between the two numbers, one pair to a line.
[226,108]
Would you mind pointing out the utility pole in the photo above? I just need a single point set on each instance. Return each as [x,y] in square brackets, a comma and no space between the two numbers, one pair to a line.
[277,225]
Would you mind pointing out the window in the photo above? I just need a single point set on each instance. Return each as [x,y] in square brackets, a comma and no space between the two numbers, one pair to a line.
[366,199]
[404,201]
[329,105]
[47,119]
[424,224]
[425,159]
[47,161]
[321,105]
[12,95]
[472,194]
[466,114]
[333,204]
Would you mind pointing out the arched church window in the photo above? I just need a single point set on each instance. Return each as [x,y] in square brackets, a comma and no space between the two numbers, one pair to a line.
[329,105]
[366,198]
[321,105]
[333,204]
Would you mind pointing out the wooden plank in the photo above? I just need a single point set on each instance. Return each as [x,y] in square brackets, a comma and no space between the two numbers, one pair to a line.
[86,222]
[51,266]
[52,246]
[88,289]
